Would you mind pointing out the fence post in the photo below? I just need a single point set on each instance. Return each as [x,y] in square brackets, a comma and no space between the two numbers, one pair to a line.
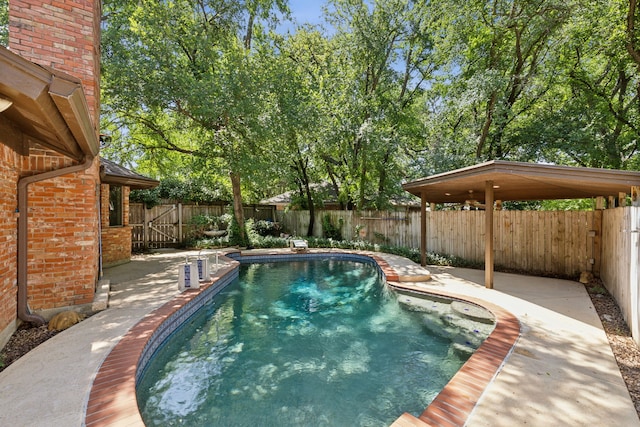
[423,229]
[634,271]
[180,223]
[488,230]
[596,227]
[145,228]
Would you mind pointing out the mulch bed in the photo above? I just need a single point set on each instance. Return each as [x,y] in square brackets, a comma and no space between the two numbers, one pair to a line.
[624,347]
[24,339]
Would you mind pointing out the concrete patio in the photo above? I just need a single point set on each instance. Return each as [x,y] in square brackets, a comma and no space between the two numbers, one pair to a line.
[561,372]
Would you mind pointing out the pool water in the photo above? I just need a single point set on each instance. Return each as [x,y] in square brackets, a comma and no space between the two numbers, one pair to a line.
[312,343]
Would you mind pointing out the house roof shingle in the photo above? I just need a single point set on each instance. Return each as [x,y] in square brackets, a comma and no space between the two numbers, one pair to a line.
[113,173]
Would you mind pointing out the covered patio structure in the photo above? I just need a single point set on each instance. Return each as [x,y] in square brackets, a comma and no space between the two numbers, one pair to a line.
[484,184]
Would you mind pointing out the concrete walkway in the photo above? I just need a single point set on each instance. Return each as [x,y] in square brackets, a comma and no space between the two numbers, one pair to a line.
[562,371]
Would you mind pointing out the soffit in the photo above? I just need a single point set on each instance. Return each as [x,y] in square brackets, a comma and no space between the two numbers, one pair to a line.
[522,181]
[49,108]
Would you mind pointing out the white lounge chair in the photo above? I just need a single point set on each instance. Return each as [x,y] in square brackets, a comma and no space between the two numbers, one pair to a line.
[298,245]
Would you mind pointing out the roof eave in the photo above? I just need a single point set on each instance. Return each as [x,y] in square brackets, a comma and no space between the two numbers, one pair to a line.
[548,181]
[49,108]
[134,183]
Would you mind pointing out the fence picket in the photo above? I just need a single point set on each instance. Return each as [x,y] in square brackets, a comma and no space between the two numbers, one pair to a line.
[537,241]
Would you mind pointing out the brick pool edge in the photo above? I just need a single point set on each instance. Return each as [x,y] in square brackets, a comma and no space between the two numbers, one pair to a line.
[112,400]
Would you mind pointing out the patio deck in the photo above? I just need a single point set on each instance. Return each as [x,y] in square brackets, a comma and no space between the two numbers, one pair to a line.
[561,372]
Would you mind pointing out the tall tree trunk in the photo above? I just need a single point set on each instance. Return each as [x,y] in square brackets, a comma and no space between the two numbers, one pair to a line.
[310,204]
[486,126]
[312,212]
[631,45]
[237,204]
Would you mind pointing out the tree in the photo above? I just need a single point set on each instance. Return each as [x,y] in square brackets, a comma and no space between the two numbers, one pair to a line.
[378,65]
[591,116]
[505,53]
[4,22]
[180,76]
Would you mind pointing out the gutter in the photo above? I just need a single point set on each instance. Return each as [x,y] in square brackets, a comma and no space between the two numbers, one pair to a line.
[24,313]
[50,109]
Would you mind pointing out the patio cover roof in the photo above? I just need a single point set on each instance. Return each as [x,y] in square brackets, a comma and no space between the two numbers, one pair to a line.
[522,181]
[502,180]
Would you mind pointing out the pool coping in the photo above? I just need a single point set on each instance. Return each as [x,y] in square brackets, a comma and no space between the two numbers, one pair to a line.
[112,400]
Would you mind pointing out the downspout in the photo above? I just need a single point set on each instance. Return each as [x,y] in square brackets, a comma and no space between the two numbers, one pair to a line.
[23,217]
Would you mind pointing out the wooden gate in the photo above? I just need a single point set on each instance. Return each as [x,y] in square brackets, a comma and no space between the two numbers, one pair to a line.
[158,227]
[167,225]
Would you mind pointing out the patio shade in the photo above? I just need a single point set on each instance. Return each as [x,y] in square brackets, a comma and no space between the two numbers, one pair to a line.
[503,180]
[522,181]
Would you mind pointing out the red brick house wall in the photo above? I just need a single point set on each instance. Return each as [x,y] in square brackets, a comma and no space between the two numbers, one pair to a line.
[9,168]
[116,241]
[63,243]
[63,235]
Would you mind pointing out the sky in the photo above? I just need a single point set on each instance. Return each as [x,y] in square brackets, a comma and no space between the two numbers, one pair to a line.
[306,10]
[303,11]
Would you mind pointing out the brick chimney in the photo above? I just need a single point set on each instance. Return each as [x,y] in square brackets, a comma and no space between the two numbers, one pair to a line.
[63,35]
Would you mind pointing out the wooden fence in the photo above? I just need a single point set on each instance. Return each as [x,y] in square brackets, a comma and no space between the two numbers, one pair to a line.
[169,225]
[550,242]
[621,262]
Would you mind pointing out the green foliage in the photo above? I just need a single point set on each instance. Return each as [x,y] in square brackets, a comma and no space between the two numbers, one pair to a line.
[235,237]
[201,223]
[149,197]
[527,205]
[4,22]
[316,242]
[331,231]
[597,289]
[398,90]
[266,228]
[179,191]
[567,205]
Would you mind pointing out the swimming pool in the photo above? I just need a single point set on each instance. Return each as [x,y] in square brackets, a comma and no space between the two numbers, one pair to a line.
[301,367]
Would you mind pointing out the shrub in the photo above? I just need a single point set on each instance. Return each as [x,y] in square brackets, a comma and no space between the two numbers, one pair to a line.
[235,238]
[331,231]
[267,228]
[257,241]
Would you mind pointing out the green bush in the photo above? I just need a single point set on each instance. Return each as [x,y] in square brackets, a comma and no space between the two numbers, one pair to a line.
[266,228]
[235,238]
[182,191]
[201,223]
[331,231]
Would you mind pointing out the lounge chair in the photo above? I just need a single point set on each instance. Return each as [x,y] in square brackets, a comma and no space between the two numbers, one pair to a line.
[298,245]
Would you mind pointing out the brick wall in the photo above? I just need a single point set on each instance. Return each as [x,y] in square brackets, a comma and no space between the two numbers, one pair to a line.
[63,35]
[63,234]
[9,163]
[63,212]
[116,241]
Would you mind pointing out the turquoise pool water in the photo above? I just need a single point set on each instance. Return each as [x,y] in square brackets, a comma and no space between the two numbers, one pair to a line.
[312,343]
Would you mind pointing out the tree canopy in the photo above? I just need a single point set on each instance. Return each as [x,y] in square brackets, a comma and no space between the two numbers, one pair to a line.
[384,91]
